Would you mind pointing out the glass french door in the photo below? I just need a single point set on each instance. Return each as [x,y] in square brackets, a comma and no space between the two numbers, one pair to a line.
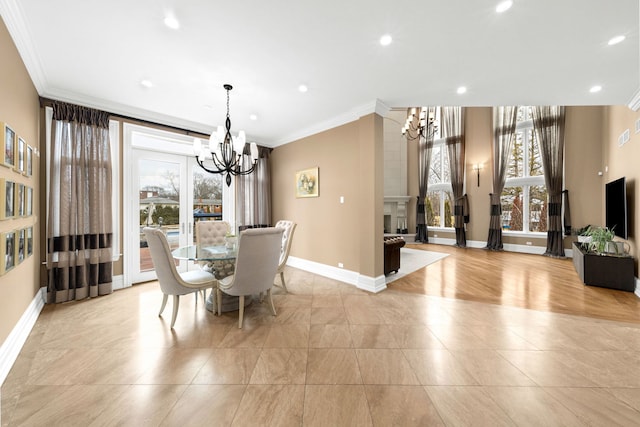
[165,188]
[165,198]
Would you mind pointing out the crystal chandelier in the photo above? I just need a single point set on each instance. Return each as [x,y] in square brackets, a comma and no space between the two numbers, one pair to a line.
[426,126]
[225,151]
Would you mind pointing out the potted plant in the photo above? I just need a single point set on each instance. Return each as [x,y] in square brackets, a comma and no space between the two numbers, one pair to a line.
[583,234]
[601,240]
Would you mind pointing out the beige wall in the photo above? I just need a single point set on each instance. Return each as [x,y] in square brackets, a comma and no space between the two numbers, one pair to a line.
[349,158]
[623,161]
[19,108]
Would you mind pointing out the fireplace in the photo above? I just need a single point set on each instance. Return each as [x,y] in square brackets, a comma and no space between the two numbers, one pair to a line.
[395,214]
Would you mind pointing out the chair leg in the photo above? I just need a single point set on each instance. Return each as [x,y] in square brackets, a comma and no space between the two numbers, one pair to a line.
[241,311]
[219,300]
[165,297]
[284,285]
[176,303]
[273,307]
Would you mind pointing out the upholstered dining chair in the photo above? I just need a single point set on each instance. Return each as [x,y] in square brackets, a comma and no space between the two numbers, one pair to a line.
[256,265]
[172,282]
[287,237]
[211,233]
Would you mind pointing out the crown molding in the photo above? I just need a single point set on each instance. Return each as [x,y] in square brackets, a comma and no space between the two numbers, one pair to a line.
[12,15]
[127,110]
[376,106]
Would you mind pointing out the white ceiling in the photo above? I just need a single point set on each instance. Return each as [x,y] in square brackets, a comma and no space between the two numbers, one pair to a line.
[95,53]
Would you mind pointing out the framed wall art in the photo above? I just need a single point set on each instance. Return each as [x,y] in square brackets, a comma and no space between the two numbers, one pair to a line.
[8,140]
[28,201]
[29,237]
[7,251]
[29,159]
[20,163]
[20,204]
[307,183]
[20,247]
[7,194]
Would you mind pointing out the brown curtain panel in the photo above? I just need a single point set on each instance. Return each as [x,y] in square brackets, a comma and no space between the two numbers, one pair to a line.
[453,124]
[504,128]
[79,228]
[253,192]
[425,146]
[548,122]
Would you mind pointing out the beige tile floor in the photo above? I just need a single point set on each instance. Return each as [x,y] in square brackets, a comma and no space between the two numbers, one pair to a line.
[334,356]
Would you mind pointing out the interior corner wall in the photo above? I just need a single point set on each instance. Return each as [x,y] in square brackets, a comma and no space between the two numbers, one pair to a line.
[328,231]
[19,107]
[623,161]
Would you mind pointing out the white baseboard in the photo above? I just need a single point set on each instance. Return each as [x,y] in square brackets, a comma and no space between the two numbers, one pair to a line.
[335,273]
[117,282]
[371,284]
[13,344]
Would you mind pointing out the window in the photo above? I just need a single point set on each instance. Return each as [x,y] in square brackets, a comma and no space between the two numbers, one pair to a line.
[439,203]
[524,199]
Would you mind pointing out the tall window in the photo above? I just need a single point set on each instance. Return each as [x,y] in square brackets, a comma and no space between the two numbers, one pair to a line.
[439,203]
[524,199]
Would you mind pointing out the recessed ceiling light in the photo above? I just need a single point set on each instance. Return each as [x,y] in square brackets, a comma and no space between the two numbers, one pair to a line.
[303,88]
[461,90]
[146,83]
[171,22]
[504,6]
[386,40]
[596,88]
[616,40]
[253,117]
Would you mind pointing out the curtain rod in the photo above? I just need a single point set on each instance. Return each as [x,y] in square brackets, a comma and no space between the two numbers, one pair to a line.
[48,102]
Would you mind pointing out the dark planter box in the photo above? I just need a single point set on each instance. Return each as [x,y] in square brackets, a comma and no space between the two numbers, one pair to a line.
[607,271]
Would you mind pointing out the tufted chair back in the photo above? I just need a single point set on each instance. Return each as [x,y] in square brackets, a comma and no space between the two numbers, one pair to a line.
[287,238]
[211,233]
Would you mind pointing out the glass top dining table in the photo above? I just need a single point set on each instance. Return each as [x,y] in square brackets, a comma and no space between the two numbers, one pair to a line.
[205,253]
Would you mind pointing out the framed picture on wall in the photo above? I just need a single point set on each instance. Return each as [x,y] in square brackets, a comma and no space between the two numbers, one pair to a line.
[19,210]
[28,201]
[20,164]
[8,139]
[7,194]
[307,183]
[7,251]
[29,170]
[29,237]
[20,247]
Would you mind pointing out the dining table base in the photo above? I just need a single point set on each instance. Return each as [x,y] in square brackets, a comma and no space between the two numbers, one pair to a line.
[229,302]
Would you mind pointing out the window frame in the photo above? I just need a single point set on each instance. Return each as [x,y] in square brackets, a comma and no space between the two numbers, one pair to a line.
[526,181]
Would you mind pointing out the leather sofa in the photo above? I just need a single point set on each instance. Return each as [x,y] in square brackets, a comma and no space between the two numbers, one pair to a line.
[392,245]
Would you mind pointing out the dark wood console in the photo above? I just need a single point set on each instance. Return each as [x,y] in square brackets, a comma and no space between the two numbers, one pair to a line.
[607,271]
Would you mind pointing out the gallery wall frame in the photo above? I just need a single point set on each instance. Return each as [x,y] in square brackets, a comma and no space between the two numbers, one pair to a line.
[7,194]
[20,163]
[20,246]
[308,182]
[8,144]
[29,237]
[7,251]
[28,208]
[20,200]
[29,160]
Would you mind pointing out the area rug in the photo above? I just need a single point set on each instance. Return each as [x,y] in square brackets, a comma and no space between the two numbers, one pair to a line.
[412,260]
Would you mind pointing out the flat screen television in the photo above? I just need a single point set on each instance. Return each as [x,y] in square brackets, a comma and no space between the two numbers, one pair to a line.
[616,207]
